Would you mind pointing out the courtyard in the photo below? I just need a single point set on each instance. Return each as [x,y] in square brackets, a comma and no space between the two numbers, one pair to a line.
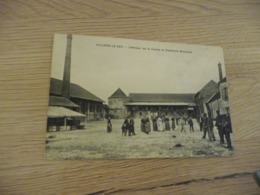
[94,142]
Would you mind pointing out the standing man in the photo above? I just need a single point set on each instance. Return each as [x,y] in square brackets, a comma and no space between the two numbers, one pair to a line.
[182,122]
[210,128]
[219,126]
[227,130]
[190,122]
[125,127]
[204,125]
[201,122]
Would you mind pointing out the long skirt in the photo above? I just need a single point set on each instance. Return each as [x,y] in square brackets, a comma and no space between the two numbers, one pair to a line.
[109,128]
[173,125]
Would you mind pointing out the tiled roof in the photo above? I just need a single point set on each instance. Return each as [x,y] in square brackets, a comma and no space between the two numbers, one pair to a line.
[118,94]
[157,97]
[208,90]
[61,101]
[76,91]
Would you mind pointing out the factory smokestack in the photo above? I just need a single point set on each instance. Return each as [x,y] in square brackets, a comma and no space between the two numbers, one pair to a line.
[220,72]
[66,74]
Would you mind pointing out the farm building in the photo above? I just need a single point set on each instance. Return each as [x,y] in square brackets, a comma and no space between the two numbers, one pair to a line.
[219,101]
[142,104]
[161,104]
[116,104]
[80,100]
[202,97]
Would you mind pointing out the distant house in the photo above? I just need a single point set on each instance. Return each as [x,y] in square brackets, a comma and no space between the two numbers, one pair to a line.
[202,97]
[80,100]
[219,101]
[116,104]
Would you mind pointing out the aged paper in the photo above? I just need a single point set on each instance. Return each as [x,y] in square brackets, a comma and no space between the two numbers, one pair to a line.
[113,98]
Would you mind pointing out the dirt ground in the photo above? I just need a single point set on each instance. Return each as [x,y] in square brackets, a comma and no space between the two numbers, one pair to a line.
[95,143]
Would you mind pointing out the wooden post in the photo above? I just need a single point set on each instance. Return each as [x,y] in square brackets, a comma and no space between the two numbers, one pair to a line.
[65,123]
[88,112]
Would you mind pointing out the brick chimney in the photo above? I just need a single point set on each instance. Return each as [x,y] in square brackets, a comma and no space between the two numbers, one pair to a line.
[66,74]
[220,71]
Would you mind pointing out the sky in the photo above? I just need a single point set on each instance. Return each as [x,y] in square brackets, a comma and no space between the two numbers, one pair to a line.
[102,65]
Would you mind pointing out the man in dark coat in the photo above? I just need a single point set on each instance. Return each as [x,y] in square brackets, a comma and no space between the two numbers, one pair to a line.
[205,125]
[132,127]
[190,122]
[227,130]
[201,123]
[210,128]
[219,126]
[125,127]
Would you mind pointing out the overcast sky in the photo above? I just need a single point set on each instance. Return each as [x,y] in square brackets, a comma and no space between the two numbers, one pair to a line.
[101,65]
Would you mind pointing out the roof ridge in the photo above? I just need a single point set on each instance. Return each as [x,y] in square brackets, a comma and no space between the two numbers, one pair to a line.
[119,93]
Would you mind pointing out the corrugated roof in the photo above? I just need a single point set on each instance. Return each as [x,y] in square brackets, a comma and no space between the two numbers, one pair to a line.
[160,104]
[156,97]
[76,91]
[56,112]
[61,101]
[118,94]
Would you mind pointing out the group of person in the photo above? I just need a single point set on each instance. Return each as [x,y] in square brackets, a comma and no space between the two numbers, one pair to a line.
[223,124]
[164,124]
[128,127]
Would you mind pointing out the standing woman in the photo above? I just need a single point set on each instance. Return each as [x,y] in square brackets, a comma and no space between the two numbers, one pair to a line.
[109,125]
[159,124]
[173,123]
[147,126]
[155,127]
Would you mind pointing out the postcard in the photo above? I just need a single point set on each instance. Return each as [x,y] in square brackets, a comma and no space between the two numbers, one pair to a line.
[113,98]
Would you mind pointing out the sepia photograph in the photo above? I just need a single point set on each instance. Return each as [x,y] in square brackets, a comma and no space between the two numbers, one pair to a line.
[113,98]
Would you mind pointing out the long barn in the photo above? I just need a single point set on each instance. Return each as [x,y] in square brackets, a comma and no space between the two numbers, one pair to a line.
[80,100]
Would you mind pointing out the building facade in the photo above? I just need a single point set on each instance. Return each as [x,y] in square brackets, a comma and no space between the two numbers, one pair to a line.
[142,105]
[201,98]
[116,104]
[165,105]
[219,101]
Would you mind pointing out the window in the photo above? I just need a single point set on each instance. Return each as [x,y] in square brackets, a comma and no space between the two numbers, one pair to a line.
[225,94]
